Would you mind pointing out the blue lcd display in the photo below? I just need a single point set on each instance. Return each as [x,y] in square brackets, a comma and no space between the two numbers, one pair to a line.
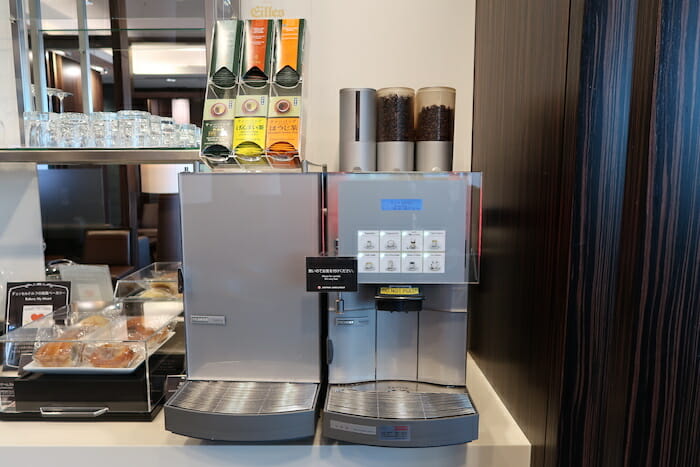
[402,205]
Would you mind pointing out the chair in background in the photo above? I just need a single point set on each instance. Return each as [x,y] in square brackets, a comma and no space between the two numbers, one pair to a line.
[148,226]
[112,247]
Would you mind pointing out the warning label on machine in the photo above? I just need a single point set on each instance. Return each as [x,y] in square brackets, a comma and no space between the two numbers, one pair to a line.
[395,433]
[331,274]
[354,428]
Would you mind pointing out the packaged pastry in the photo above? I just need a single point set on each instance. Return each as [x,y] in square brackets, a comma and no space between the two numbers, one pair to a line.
[113,355]
[156,292]
[158,289]
[64,351]
[94,321]
[56,354]
[137,330]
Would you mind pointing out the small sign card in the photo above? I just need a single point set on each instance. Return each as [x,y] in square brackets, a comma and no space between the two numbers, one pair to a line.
[331,274]
[29,301]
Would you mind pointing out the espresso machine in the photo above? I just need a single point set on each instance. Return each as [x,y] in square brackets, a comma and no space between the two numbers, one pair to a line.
[252,330]
[257,341]
[397,347]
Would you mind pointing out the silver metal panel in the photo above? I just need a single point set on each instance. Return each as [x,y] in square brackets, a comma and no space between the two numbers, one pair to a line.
[451,297]
[41,103]
[399,400]
[415,433]
[395,156]
[251,398]
[355,201]
[442,347]
[352,335]
[357,135]
[20,44]
[245,238]
[84,50]
[397,345]
[363,299]
[434,156]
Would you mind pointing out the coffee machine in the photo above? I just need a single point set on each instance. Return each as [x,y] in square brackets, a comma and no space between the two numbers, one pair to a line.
[257,341]
[397,347]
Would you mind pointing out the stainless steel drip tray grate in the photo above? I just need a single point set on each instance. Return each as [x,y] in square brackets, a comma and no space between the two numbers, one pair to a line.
[399,400]
[245,398]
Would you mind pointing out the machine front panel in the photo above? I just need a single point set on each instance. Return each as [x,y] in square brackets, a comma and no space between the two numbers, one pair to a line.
[245,239]
[403,229]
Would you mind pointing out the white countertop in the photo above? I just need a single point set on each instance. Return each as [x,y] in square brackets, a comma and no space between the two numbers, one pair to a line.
[107,444]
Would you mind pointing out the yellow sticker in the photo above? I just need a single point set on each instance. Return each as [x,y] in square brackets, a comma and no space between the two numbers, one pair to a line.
[399,291]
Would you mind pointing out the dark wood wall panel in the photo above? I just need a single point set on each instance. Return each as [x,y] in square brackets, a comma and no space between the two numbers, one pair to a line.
[520,104]
[587,318]
[606,65]
[659,327]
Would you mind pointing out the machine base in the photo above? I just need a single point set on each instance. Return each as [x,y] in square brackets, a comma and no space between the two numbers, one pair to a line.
[243,411]
[400,414]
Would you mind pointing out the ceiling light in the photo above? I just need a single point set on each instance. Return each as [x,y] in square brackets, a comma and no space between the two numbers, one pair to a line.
[170,80]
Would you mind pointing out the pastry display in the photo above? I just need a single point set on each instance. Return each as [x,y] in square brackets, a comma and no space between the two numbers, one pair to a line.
[55,354]
[162,292]
[94,321]
[137,330]
[109,355]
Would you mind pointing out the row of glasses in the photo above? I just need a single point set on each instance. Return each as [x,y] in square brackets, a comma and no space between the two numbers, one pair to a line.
[125,129]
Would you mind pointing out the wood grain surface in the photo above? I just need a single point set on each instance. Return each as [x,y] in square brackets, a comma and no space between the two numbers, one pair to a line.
[519,109]
[659,304]
[587,320]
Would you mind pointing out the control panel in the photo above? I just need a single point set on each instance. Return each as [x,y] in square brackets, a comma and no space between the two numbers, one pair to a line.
[404,230]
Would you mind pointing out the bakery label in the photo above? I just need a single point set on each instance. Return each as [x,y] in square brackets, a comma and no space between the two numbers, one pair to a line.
[30,301]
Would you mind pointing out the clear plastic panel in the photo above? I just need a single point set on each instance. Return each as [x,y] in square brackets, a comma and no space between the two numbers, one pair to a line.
[155,282]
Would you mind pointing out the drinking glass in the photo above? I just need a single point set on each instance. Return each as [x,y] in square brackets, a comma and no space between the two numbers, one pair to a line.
[73,130]
[53,138]
[104,130]
[134,128]
[156,133]
[50,92]
[36,129]
[168,131]
[187,134]
[61,94]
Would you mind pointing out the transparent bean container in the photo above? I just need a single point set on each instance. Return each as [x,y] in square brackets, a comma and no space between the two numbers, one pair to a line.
[435,128]
[89,360]
[155,282]
[395,129]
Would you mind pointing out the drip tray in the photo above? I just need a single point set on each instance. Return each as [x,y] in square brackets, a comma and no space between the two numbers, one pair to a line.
[399,400]
[243,411]
[252,398]
[399,413]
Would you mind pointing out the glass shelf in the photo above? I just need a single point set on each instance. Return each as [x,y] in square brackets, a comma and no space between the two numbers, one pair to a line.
[60,156]
[109,30]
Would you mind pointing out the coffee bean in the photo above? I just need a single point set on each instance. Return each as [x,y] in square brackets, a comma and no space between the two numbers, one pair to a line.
[395,118]
[435,123]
